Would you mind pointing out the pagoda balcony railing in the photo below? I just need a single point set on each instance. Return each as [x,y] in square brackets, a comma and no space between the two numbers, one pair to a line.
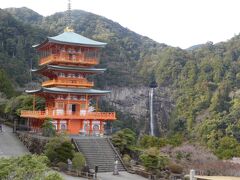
[66,59]
[56,115]
[68,82]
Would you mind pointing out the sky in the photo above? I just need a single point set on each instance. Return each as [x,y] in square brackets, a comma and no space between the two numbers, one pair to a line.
[179,23]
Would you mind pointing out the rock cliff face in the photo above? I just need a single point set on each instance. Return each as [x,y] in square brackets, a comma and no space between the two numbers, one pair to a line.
[135,102]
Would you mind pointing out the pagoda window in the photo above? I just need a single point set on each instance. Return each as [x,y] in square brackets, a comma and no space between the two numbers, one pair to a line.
[80,76]
[60,97]
[70,56]
[63,126]
[74,98]
[61,75]
[83,106]
[91,54]
[71,75]
[74,57]
[60,105]
[82,98]
[79,51]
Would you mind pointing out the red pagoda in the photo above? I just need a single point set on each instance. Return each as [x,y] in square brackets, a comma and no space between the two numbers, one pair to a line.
[66,60]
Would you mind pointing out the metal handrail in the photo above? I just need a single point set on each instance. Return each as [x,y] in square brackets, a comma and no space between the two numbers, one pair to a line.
[119,157]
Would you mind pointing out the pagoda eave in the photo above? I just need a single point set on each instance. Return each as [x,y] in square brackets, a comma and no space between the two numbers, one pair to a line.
[69,68]
[79,91]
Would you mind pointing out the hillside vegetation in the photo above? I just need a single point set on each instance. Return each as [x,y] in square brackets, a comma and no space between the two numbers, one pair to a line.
[204,80]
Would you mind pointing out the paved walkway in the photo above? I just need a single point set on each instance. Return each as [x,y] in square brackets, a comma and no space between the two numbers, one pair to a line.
[10,144]
[122,176]
[108,176]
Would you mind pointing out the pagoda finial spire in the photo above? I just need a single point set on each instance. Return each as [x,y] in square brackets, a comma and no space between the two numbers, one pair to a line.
[69,18]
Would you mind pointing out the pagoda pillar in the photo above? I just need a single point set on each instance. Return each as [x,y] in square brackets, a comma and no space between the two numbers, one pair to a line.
[86,107]
[81,126]
[90,128]
[65,108]
[58,125]
[97,98]
[101,127]
[69,125]
[34,102]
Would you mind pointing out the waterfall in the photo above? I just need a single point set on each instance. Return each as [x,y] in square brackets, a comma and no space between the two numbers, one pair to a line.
[151,112]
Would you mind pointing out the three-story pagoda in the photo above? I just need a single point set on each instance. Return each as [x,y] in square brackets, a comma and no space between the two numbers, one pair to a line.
[71,102]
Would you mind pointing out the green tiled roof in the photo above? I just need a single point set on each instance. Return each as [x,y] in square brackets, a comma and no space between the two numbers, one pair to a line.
[73,38]
[69,90]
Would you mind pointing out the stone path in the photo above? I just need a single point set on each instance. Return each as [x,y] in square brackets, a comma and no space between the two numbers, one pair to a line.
[122,176]
[108,176]
[10,144]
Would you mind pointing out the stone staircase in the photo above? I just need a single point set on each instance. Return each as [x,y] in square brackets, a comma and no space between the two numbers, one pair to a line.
[100,152]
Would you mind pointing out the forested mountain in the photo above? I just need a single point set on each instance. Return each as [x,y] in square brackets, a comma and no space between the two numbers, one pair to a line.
[203,81]
[16,50]
[125,48]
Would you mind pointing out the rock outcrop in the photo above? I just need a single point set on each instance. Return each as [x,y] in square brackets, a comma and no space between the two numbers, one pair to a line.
[135,102]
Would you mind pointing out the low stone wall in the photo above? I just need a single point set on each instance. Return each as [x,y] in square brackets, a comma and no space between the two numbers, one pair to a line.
[34,143]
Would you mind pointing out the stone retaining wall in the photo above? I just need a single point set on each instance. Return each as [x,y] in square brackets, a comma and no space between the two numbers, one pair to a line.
[34,143]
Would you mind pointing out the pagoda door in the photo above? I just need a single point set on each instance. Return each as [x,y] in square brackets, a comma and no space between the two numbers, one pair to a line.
[72,108]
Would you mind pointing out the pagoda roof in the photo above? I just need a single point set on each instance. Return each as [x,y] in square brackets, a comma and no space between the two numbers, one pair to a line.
[57,90]
[70,68]
[71,38]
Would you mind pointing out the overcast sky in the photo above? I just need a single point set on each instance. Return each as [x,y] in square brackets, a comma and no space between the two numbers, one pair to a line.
[180,23]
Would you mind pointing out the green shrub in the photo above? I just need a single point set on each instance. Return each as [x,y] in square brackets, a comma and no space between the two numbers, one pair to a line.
[147,141]
[53,176]
[65,151]
[153,160]
[175,168]
[62,166]
[59,149]
[228,148]
[175,140]
[124,140]
[25,167]
[48,128]
[126,160]
[78,161]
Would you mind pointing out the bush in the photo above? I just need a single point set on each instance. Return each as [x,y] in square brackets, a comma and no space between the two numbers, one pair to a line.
[65,151]
[175,140]
[59,149]
[25,167]
[78,161]
[153,160]
[124,140]
[126,160]
[175,168]
[48,128]
[53,176]
[62,166]
[147,141]
[228,148]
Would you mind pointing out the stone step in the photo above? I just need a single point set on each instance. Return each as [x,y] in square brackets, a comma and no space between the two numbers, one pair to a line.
[98,152]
